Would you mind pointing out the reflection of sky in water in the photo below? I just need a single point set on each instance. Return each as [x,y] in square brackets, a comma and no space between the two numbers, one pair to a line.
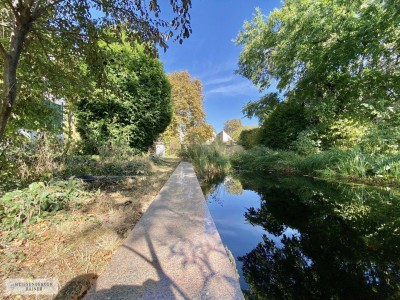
[236,233]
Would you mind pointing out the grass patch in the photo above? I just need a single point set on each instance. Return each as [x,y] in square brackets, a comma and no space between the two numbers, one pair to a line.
[354,164]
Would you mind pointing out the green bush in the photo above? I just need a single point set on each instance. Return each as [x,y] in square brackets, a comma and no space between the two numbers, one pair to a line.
[135,106]
[249,138]
[307,142]
[282,127]
[346,133]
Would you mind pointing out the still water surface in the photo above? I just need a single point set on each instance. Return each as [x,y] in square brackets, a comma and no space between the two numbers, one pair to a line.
[299,238]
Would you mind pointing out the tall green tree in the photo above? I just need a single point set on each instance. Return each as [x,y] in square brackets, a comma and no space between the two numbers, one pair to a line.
[339,59]
[188,120]
[29,25]
[133,106]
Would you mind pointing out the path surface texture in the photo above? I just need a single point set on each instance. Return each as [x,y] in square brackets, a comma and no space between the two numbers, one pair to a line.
[174,251]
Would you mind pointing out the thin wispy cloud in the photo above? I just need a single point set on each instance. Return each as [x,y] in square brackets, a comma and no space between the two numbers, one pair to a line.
[211,69]
[240,88]
[219,80]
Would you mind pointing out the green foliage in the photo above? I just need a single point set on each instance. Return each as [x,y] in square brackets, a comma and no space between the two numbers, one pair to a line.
[283,126]
[262,108]
[30,205]
[382,139]
[135,108]
[332,54]
[39,115]
[249,138]
[346,133]
[85,165]
[209,161]
[50,31]
[307,142]
[263,159]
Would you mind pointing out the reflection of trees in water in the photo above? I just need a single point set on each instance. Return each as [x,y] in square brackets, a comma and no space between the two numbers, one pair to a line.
[233,186]
[348,245]
[215,190]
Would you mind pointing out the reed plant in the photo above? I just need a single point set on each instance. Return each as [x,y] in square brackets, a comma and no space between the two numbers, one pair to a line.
[209,161]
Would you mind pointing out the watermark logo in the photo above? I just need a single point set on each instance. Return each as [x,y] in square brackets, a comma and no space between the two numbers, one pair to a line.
[40,286]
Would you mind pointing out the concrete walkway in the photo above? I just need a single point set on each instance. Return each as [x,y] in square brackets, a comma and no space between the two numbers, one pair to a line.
[174,251]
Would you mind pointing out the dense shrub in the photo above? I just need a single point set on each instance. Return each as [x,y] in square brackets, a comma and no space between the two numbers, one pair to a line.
[136,105]
[307,142]
[24,160]
[282,127]
[102,166]
[249,138]
[27,161]
[346,133]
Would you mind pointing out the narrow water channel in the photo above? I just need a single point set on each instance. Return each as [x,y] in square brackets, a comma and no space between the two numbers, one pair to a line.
[300,238]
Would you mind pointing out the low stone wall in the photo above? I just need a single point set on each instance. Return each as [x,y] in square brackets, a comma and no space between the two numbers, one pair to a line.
[173,252]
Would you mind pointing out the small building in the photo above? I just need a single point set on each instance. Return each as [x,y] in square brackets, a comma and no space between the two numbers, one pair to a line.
[224,138]
[160,149]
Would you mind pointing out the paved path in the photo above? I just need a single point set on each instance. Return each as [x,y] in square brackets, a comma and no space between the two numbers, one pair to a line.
[174,251]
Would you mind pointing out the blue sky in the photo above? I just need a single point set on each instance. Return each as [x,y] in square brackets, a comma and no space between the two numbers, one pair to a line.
[210,55]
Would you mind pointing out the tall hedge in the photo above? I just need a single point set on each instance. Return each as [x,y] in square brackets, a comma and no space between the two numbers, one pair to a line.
[134,105]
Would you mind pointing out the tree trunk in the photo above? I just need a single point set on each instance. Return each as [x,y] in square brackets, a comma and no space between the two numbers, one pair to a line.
[9,95]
